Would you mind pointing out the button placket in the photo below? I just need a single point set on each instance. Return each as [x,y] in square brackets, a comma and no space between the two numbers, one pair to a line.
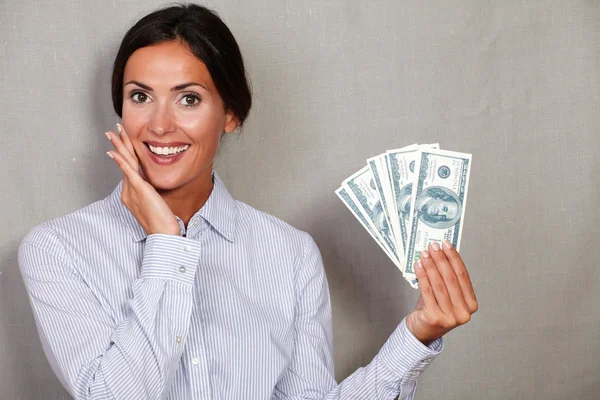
[197,357]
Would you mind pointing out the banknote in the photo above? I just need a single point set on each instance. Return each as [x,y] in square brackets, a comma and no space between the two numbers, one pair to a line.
[438,200]
[380,179]
[356,211]
[362,189]
[401,165]
[388,193]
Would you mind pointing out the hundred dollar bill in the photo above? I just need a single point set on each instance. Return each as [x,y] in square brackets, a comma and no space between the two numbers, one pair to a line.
[401,168]
[439,197]
[342,193]
[380,179]
[362,189]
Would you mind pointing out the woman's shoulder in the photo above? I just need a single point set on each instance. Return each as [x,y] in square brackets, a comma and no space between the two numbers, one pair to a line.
[53,235]
[279,239]
[257,222]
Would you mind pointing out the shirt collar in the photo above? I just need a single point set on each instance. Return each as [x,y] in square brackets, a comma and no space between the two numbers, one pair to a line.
[219,210]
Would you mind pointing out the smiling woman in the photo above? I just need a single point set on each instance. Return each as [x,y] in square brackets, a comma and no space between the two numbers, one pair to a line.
[178,84]
[170,288]
[174,116]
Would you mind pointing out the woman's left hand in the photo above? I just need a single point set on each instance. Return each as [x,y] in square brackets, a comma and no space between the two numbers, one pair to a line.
[447,298]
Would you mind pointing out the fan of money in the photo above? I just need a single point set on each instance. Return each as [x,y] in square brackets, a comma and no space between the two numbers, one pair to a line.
[408,198]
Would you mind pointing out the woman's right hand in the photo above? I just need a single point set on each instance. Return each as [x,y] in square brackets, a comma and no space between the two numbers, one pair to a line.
[139,196]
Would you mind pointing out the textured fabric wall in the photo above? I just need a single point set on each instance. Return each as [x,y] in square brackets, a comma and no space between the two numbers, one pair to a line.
[514,83]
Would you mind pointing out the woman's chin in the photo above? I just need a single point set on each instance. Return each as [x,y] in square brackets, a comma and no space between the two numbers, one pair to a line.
[163,183]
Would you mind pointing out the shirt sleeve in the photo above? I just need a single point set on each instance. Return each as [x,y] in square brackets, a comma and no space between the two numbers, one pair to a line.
[392,373]
[94,356]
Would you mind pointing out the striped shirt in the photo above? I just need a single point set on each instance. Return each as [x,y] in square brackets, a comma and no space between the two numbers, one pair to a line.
[237,307]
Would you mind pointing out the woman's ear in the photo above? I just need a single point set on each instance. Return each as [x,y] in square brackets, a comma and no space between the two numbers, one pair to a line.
[231,122]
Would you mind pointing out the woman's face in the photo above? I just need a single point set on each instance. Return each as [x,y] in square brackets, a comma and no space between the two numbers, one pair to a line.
[173,115]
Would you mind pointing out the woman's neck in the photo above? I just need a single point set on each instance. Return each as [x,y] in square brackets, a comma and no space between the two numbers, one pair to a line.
[186,200]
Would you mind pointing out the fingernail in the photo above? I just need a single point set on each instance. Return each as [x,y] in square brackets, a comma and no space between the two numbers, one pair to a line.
[447,245]
[435,246]
[110,155]
[418,265]
[424,254]
[119,127]
[107,135]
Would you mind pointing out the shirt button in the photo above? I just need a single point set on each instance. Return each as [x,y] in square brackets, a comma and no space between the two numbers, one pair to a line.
[182,269]
[187,248]
[195,222]
[414,373]
[178,339]
[195,361]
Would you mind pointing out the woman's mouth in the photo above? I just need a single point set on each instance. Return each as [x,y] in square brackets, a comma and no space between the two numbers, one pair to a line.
[166,154]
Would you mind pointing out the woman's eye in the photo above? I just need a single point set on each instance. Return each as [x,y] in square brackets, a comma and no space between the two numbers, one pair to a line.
[190,100]
[139,97]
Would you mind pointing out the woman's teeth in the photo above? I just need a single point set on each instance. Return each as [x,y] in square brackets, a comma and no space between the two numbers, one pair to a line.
[167,151]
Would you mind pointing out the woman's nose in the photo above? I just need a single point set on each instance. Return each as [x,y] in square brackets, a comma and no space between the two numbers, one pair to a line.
[162,121]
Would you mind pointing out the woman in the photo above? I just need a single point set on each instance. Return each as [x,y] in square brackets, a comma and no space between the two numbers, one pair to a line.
[169,288]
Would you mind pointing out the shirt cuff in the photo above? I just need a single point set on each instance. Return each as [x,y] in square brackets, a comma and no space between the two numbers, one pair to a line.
[405,356]
[170,257]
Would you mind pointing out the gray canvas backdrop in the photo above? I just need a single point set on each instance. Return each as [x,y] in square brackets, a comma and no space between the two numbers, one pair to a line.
[515,83]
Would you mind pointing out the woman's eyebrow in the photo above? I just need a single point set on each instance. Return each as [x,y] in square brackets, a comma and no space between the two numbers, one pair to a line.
[174,89]
[186,85]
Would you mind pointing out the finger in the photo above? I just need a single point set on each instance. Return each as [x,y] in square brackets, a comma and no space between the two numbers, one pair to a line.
[133,177]
[462,275]
[448,275]
[121,149]
[426,291]
[129,146]
[126,141]
[437,283]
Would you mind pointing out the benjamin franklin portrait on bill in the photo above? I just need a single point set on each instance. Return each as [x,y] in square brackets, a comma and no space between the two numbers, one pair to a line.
[438,207]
